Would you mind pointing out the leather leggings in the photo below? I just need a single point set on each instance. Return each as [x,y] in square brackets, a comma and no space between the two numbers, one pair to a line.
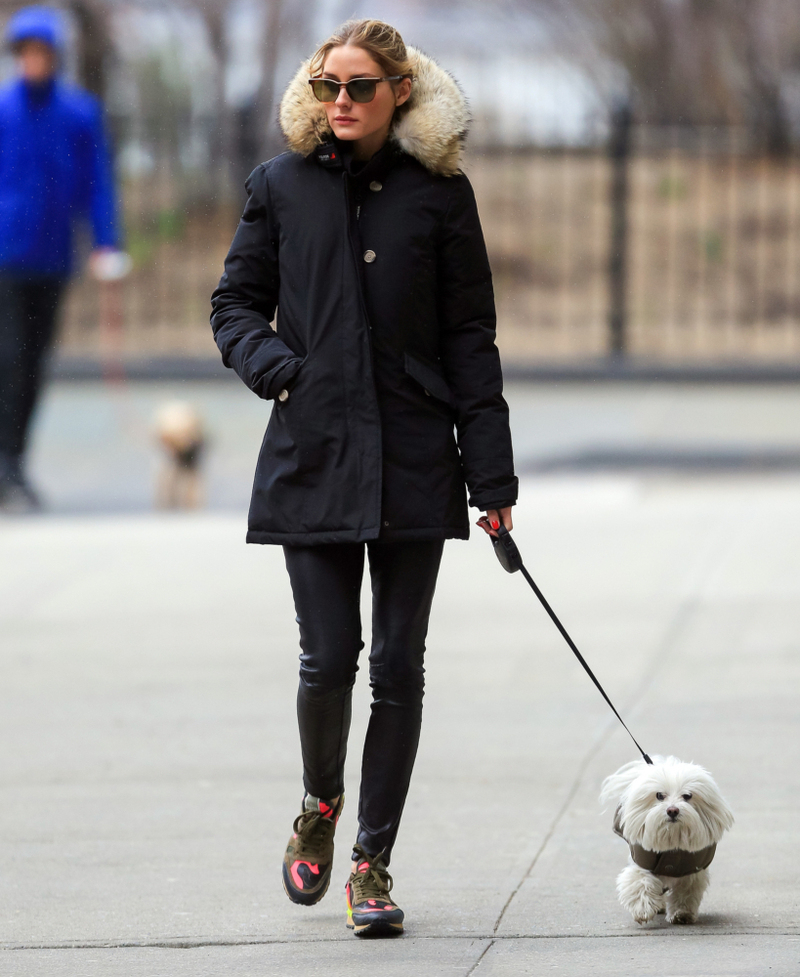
[326,584]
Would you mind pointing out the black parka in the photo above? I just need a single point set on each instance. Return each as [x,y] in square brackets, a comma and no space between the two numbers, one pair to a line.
[383,345]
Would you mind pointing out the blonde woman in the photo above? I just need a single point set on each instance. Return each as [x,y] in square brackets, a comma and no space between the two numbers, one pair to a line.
[388,407]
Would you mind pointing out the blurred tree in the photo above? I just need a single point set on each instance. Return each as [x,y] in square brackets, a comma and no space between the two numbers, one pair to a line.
[717,62]
[95,49]
[248,134]
[268,85]
[222,145]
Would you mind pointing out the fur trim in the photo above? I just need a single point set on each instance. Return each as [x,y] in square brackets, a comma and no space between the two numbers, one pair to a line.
[302,117]
[432,129]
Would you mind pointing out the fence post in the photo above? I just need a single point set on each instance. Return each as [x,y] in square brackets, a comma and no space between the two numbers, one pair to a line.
[619,154]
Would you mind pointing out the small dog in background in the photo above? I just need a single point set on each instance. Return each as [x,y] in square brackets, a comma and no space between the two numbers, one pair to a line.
[672,815]
[180,432]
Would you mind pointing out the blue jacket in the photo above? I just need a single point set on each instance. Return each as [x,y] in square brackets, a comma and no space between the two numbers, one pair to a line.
[54,170]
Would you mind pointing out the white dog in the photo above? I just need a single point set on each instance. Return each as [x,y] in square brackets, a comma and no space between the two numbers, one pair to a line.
[672,815]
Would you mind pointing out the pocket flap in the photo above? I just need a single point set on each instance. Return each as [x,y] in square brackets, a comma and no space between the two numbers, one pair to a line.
[427,377]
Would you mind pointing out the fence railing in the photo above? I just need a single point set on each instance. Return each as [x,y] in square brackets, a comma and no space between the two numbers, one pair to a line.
[682,247]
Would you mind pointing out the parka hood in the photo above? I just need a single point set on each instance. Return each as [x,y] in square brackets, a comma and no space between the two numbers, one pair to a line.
[36,24]
[431,129]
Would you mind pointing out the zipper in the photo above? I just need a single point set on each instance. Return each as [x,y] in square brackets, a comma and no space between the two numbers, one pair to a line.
[355,244]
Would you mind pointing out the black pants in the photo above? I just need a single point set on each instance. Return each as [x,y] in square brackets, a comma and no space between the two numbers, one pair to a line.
[28,307]
[326,583]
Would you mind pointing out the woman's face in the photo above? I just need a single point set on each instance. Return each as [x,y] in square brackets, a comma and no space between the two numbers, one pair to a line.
[357,121]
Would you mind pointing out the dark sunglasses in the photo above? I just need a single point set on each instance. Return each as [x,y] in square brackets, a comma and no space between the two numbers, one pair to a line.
[358,89]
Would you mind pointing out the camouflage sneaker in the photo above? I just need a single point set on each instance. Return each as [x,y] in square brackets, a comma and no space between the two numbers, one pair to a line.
[370,910]
[309,855]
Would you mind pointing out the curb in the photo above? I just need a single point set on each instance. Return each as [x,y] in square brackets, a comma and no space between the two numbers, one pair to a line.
[605,370]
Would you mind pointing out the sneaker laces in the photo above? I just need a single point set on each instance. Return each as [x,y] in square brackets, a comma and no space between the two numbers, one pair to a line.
[374,882]
[313,831]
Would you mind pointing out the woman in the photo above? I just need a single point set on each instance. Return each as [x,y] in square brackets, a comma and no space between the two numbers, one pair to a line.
[366,239]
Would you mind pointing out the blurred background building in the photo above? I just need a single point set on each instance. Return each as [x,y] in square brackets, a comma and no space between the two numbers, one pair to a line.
[635,161]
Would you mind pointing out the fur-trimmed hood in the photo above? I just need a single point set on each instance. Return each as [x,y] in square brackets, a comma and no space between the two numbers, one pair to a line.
[431,129]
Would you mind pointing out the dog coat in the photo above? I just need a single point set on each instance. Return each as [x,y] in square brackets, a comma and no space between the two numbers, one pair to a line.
[673,864]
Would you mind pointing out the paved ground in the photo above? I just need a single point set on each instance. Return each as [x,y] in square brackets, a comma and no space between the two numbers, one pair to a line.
[149,768]
[95,451]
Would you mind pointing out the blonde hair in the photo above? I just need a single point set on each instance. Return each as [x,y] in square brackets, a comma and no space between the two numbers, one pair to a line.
[381,41]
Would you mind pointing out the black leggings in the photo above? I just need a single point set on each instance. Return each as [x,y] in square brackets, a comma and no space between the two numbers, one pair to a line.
[326,583]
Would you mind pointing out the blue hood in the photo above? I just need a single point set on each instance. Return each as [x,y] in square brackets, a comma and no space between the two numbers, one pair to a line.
[36,24]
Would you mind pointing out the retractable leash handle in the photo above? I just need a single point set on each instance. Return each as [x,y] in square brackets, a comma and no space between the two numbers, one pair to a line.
[511,560]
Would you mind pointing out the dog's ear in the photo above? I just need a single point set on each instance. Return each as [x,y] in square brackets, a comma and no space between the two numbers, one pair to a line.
[713,809]
[614,787]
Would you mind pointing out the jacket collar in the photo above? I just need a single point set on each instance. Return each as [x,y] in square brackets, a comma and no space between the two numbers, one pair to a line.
[432,129]
[336,154]
[37,95]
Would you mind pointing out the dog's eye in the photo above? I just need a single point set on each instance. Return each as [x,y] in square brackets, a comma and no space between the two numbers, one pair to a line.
[687,797]
[659,796]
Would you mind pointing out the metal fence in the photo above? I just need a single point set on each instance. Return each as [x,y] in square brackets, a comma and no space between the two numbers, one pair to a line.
[687,241]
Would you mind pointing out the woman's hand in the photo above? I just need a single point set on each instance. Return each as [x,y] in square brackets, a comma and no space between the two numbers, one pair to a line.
[493,518]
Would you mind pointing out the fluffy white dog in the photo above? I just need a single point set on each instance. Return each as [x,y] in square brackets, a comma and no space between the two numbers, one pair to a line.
[672,815]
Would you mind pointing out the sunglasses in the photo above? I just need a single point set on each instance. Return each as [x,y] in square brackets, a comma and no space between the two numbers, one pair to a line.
[358,89]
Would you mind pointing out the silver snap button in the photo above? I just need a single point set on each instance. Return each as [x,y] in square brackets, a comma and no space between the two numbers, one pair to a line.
[369,257]
[385,522]
[283,396]
[376,186]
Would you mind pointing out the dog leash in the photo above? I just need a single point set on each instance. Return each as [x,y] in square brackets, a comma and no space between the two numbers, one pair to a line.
[510,559]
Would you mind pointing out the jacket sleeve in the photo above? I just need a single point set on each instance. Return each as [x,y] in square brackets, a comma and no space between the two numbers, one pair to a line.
[102,203]
[469,356]
[246,298]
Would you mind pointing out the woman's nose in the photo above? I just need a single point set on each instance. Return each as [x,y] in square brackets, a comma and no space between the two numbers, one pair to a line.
[342,99]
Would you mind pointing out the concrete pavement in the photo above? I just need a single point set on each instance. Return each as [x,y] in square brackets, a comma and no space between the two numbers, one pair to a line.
[149,765]
[94,448]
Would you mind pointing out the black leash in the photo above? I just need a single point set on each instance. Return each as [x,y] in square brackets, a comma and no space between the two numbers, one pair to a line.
[510,559]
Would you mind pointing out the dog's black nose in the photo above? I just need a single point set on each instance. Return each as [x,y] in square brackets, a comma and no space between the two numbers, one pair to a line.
[672,813]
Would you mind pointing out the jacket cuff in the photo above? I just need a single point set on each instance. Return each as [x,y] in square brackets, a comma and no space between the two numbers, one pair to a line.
[284,378]
[485,506]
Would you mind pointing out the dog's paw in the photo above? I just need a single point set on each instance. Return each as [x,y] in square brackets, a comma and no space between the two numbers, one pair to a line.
[643,909]
[640,893]
[682,917]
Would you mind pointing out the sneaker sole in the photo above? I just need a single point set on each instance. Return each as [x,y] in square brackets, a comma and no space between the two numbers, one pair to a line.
[311,899]
[376,927]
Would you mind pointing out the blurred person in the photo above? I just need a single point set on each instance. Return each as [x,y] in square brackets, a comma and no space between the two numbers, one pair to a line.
[366,238]
[54,169]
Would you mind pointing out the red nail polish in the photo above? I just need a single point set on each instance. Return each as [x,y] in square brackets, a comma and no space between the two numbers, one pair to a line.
[495,524]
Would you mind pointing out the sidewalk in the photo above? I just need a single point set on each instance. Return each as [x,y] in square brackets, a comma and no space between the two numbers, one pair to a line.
[149,769]
[94,448]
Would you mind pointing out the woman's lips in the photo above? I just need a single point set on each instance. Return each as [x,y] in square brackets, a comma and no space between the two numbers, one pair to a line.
[344,119]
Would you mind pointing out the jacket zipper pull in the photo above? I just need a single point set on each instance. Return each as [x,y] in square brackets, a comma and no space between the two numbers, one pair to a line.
[358,212]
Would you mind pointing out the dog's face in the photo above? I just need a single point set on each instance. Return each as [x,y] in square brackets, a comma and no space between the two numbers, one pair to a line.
[668,804]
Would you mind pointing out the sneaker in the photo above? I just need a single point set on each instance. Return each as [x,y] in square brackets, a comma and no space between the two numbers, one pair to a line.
[18,499]
[309,855]
[370,909]
[16,495]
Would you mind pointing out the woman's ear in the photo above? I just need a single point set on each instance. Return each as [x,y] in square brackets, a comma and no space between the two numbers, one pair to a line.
[403,91]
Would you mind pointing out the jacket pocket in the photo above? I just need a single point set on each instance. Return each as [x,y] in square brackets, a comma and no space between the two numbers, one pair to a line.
[287,385]
[430,380]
